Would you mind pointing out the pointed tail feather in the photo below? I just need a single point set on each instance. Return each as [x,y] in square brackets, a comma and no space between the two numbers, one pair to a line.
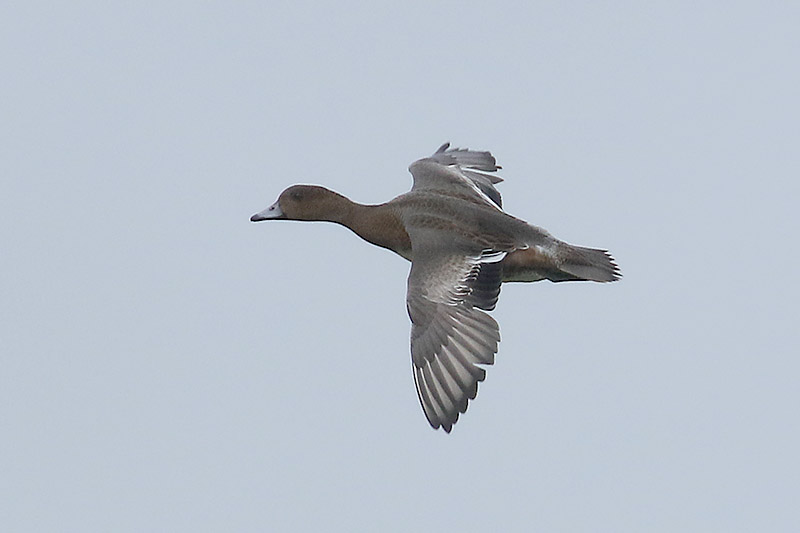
[587,264]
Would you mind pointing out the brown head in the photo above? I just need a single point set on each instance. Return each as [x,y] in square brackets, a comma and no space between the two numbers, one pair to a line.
[305,202]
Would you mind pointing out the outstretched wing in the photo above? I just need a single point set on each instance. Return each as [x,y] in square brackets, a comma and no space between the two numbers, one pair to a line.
[451,335]
[459,168]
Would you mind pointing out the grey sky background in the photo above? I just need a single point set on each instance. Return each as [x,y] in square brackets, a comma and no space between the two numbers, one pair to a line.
[169,366]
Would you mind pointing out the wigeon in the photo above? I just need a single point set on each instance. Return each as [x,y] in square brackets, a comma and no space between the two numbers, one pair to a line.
[462,247]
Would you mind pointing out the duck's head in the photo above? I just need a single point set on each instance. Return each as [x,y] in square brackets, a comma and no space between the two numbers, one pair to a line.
[302,202]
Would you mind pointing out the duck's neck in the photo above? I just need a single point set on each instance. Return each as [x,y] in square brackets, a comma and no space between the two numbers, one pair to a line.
[377,224]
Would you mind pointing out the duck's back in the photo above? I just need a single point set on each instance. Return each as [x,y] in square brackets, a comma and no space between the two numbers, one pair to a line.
[465,218]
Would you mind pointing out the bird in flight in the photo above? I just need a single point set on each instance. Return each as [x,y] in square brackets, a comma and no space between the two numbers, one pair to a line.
[462,247]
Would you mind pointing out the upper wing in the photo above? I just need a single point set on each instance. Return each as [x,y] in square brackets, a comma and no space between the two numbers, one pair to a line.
[450,334]
[459,168]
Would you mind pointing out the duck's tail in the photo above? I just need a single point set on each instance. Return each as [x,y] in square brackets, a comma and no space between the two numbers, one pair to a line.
[560,262]
[586,264]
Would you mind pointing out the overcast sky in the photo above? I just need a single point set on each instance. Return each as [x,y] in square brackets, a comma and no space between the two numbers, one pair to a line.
[169,366]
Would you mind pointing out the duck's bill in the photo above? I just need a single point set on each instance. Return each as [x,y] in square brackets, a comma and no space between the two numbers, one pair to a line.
[270,213]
